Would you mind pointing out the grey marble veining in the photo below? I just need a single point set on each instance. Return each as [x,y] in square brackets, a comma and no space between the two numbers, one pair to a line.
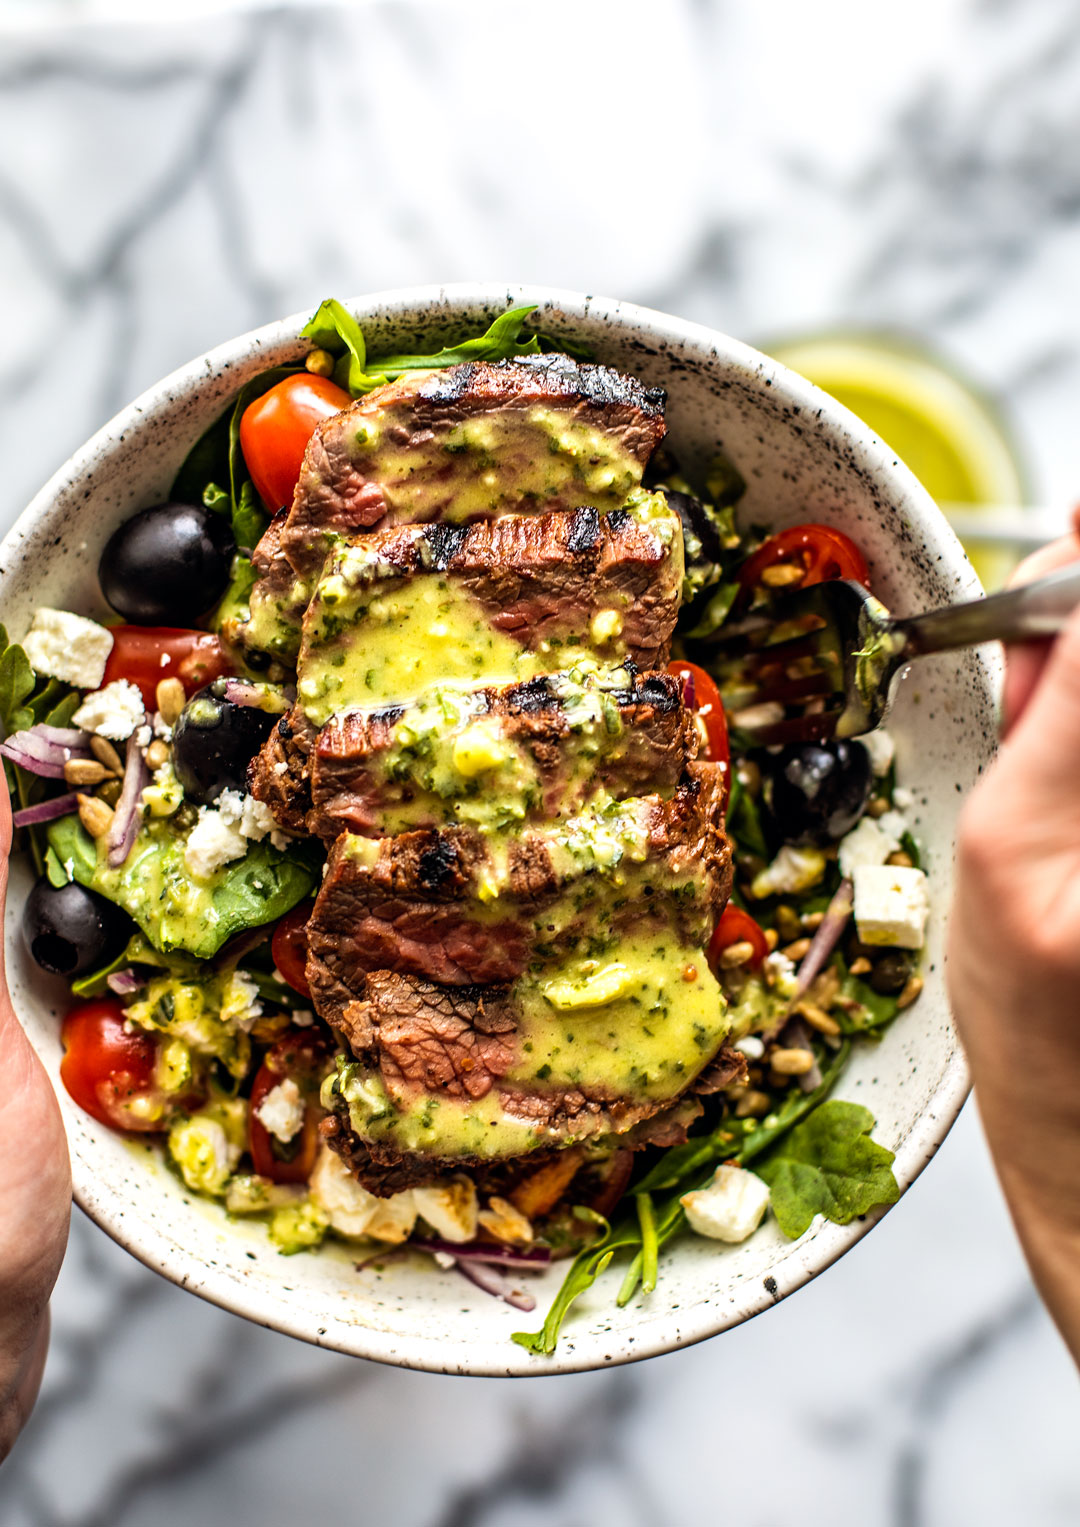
[764,169]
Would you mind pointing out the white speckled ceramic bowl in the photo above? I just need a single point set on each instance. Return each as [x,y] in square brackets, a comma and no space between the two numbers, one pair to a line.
[803,457]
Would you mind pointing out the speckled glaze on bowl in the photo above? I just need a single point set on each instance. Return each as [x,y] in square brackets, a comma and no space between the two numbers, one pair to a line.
[803,457]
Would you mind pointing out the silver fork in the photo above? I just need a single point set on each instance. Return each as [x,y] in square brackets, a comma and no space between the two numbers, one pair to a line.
[834,649]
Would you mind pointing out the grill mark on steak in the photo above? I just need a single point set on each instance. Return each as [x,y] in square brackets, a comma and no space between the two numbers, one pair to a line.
[393,456]
[339,784]
[398,913]
[584,532]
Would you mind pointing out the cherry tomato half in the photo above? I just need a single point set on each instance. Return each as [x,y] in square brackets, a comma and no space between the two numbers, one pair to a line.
[736,927]
[289,947]
[110,1072]
[703,698]
[275,430]
[824,553]
[147,654]
[299,1056]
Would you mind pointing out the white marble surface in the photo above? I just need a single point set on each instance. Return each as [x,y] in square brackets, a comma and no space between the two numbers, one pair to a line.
[762,168]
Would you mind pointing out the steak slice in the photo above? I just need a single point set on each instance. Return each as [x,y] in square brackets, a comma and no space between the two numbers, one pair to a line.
[503,600]
[280,773]
[471,442]
[441,904]
[547,744]
[439,1082]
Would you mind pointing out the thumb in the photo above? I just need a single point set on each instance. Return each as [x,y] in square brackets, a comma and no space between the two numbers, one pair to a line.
[1043,748]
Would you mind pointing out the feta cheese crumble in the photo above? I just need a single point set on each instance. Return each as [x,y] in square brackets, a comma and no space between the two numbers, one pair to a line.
[69,647]
[212,843]
[871,842]
[794,869]
[113,712]
[729,1207]
[882,750]
[281,1112]
[891,905]
[354,1212]
[451,1209]
[252,818]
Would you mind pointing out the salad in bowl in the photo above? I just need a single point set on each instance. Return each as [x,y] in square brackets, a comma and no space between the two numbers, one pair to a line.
[433,885]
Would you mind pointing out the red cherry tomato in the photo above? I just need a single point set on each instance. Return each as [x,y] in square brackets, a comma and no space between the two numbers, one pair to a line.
[703,697]
[147,654]
[298,1055]
[736,927]
[275,430]
[289,947]
[823,553]
[110,1072]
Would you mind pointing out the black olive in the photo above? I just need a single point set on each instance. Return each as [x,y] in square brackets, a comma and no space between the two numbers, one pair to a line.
[891,972]
[167,566]
[819,790]
[214,742]
[696,524]
[69,929]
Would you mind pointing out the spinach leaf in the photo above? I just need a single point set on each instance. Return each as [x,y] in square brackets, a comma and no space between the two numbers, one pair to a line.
[828,1165]
[501,341]
[177,912]
[335,329]
[138,951]
[54,869]
[876,1009]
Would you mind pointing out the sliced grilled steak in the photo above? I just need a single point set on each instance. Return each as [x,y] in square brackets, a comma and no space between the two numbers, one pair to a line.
[493,756]
[441,905]
[443,1086]
[470,442]
[503,600]
[280,773]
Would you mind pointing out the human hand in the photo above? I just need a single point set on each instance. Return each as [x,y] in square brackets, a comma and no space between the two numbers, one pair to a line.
[1014,952]
[35,1200]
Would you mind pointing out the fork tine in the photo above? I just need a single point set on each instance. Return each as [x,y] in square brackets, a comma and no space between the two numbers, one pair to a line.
[818,727]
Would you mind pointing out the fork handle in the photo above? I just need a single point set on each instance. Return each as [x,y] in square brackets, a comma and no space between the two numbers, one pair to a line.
[1032,610]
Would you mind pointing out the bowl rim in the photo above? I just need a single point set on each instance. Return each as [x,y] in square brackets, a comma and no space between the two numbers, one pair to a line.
[663,1332]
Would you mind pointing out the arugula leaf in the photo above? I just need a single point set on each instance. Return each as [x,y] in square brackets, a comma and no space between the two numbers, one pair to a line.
[828,1165]
[17,682]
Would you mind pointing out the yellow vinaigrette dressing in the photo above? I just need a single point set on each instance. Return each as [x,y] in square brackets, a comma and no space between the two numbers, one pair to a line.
[639,1024]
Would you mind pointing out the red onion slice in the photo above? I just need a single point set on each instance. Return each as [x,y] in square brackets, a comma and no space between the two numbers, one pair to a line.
[123,982]
[825,939]
[536,1257]
[40,766]
[242,692]
[46,811]
[62,736]
[494,1282]
[125,822]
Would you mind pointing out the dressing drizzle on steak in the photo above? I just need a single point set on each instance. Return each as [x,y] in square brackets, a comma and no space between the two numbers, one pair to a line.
[526,856]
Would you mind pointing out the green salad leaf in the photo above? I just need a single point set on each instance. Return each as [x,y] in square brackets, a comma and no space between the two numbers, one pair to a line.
[216,459]
[17,684]
[828,1165]
[335,329]
[175,911]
